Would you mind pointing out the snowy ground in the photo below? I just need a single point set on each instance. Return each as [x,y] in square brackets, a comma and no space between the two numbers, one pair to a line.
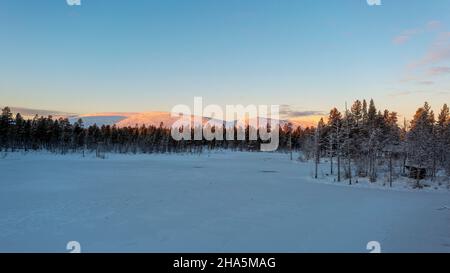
[239,202]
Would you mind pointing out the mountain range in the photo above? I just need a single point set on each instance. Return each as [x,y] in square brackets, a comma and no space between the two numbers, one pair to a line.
[154,118]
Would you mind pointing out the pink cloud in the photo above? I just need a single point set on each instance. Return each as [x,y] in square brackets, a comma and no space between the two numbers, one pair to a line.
[427,66]
[432,25]
[439,51]
[401,39]
[418,92]
[406,35]
[434,71]
[426,82]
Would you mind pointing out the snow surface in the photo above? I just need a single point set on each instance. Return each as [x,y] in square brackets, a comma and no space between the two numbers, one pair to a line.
[218,202]
[97,120]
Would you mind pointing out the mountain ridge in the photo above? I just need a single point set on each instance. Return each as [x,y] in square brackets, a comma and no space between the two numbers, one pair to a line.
[150,118]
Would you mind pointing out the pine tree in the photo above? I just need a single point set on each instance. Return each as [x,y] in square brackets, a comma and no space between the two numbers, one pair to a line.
[371,113]
[364,111]
[6,124]
[334,124]
[443,137]
[357,111]
[317,145]
[348,142]
[78,135]
[420,139]
[19,132]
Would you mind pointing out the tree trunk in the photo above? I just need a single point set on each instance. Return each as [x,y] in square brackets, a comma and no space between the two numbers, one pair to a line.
[418,177]
[317,151]
[433,175]
[349,170]
[331,153]
[404,164]
[290,145]
[339,167]
[317,159]
[390,170]
[317,167]
[331,164]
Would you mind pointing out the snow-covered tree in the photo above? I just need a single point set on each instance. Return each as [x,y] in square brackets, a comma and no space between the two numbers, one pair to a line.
[333,138]
[443,137]
[421,139]
[317,145]
[6,124]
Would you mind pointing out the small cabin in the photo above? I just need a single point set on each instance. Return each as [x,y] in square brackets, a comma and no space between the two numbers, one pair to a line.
[416,172]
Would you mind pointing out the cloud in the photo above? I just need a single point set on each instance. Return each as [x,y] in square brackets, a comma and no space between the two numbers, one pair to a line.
[401,39]
[426,82]
[412,92]
[430,63]
[439,70]
[295,114]
[400,93]
[407,35]
[28,112]
[438,52]
[287,112]
[433,25]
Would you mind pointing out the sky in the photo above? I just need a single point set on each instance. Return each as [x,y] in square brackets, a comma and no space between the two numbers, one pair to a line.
[149,55]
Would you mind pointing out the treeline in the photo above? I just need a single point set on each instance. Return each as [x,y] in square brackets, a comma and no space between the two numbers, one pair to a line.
[61,136]
[357,142]
[363,140]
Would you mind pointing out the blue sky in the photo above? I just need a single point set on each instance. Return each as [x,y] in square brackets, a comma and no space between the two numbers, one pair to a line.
[111,55]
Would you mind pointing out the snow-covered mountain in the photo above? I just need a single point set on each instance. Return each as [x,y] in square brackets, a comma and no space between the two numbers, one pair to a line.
[165,118]
[124,119]
[100,119]
[29,113]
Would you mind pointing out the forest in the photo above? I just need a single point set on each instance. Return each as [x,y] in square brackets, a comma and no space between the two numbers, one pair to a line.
[355,142]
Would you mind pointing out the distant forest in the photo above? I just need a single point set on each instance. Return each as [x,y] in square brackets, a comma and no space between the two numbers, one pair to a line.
[356,141]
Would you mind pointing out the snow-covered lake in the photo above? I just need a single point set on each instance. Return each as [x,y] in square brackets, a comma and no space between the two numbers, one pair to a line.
[221,202]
